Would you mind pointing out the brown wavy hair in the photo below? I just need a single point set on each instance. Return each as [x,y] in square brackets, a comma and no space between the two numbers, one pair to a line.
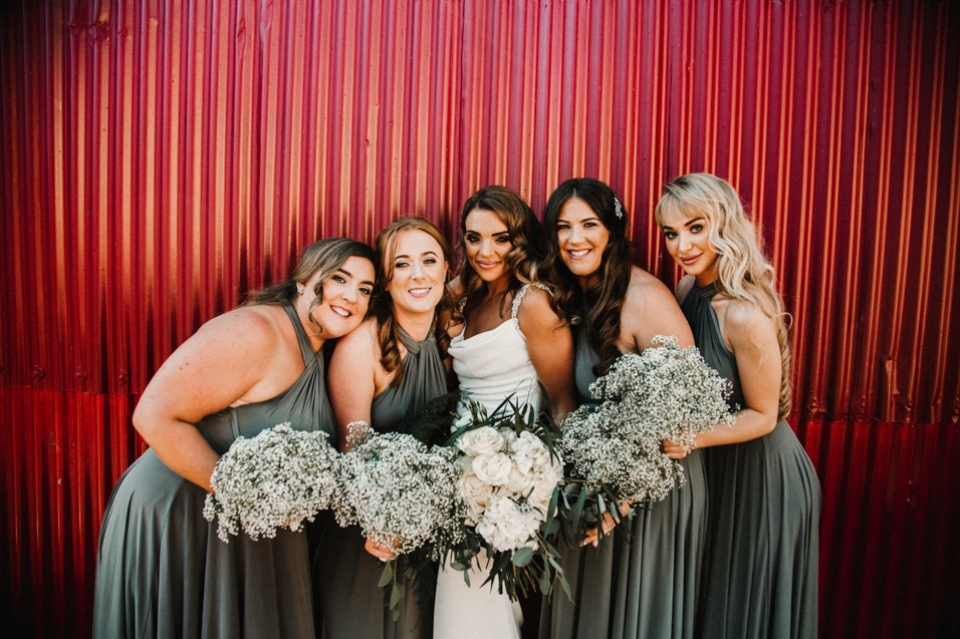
[388,329]
[325,256]
[526,238]
[743,271]
[597,309]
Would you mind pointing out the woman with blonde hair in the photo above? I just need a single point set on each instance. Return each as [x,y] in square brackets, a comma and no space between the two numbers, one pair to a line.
[381,374]
[760,561]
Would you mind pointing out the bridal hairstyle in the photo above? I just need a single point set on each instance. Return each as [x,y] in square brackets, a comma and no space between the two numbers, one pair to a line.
[743,271]
[324,256]
[388,329]
[526,236]
[598,308]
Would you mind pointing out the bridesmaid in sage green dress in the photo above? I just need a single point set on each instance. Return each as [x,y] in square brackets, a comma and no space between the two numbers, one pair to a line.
[162,571]
[760,560]
[385,371]
[644,584]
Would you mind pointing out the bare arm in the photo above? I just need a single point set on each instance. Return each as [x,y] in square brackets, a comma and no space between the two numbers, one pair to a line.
[550,344]
[352,378]
[752,336]
[209,372]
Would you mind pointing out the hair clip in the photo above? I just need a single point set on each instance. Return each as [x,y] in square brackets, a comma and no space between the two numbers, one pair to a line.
[617,208]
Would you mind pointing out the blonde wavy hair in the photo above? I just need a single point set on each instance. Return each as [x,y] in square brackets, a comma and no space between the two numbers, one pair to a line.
[743,271]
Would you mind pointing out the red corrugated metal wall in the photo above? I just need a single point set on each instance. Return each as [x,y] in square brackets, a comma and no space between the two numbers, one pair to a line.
[160,158]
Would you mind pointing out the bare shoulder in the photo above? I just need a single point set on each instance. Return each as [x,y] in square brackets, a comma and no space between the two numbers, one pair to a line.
[535,310]
[646,291]
[362,340]
[242,331]
[744,322]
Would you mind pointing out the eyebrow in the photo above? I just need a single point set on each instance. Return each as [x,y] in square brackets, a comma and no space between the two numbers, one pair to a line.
[407,257]
[494,235]
[687,224]
[349,274]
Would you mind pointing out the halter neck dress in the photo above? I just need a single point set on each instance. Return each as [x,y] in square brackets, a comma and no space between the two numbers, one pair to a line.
[644,586]
[760,560]
[345,574]
[491,366]
[162,571]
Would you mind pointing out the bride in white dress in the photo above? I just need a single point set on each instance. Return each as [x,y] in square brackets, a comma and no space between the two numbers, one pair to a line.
[510,339]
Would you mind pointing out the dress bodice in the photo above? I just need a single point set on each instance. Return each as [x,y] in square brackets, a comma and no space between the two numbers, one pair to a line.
[304,404]
[424,378]
[495,364]
[585,359]
[703,322]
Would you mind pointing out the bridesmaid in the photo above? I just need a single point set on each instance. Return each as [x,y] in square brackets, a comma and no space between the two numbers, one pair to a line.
[647,586]
[760,562]
[161,569]
[511,339]
[380,374]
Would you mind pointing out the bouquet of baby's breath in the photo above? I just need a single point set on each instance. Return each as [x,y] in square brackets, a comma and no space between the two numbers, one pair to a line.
[403,496]
[508,475]
[614,450]
[275,480]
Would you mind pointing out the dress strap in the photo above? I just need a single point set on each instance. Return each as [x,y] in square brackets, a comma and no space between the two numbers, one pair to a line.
[519,297]
[306,350]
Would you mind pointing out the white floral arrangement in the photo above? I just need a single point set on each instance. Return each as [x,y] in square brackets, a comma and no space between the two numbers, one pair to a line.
[401,493]
[664,393]
[507,481]
[277,479]
[509,473]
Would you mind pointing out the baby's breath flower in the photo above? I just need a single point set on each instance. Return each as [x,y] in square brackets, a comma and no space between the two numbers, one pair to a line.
[401,494]
[275,480]
[664,393]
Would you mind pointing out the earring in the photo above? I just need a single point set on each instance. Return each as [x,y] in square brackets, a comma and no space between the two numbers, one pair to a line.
[300,289]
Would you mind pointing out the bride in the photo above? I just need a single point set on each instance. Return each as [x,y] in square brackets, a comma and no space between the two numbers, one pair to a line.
[510,338]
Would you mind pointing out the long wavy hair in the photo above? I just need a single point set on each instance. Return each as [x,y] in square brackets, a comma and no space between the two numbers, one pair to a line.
[526,238]
[388,329]
[324,256]
[596,309]
[743,271]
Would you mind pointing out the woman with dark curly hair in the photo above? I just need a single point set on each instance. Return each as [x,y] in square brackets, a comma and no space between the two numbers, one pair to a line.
[643,584]
[510,339]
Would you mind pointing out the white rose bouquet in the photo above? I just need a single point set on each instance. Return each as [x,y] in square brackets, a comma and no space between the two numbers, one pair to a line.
[403,495]
[278,479]
[614,450]
[508,475]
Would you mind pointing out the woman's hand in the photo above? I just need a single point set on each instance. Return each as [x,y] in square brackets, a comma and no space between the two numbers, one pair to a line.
[383,552]
[592,536]
[674,450]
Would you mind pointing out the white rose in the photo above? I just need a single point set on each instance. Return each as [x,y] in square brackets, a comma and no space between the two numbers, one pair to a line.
[480,441]
[520,479]
[493,468]
[475,492]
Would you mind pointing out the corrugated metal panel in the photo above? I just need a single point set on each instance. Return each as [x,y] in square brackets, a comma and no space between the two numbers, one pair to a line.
[161,158]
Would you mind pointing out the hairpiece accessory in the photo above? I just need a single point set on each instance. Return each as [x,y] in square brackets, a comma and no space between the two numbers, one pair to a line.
[617,208]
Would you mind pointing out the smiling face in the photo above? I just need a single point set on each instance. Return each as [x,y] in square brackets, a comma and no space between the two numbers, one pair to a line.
[346,297]
[581,239]
[419,273]
[687,238]
[486,241]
